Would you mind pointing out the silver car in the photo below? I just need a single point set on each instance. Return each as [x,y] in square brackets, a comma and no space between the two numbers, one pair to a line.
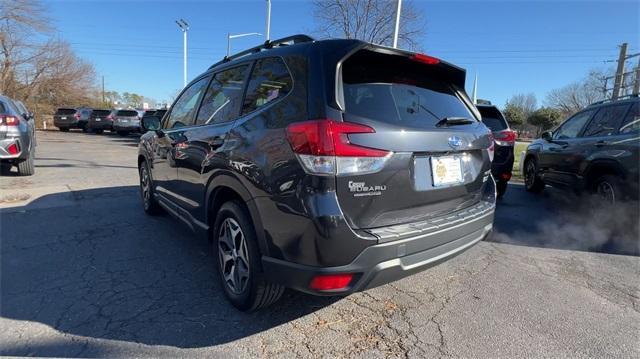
[17,137]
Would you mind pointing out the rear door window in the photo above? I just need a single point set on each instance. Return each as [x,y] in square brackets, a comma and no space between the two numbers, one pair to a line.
[126,113]
[572,127]
[493,119]
[66,111]
[270,80]
[400,93]
[631,121]
[222,101]
[606,121]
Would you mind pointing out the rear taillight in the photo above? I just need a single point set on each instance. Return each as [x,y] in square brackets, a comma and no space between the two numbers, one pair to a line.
[77,116]
[323,147]
[9,120]
[492,147]
[110,117]
[505,138]
[331,281]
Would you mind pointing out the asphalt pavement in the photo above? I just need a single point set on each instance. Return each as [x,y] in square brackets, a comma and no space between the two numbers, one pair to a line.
[85,273]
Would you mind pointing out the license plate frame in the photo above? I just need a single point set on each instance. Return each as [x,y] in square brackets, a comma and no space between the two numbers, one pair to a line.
[446,171]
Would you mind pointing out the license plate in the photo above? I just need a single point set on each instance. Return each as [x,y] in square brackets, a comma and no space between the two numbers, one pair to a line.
[63,118]
[98,120]
[446,170]
[124,120]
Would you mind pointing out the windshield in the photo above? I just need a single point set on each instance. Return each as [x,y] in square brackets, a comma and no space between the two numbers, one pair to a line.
[127,113]
[66,111]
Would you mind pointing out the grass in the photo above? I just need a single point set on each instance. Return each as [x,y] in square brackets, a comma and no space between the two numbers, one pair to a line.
[520,146]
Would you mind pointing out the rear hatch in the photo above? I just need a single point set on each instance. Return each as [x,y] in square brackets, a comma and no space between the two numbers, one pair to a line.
[505,138]
[420,114]
[66,115]
[100,115]
[127,118]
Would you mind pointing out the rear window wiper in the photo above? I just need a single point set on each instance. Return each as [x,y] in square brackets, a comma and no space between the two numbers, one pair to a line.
[454,121]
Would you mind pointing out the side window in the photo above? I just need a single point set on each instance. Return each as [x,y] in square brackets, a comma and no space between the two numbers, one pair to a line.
[606,120]
[184,109]
[571,127]
[631,122]
[270,80]
[224,96]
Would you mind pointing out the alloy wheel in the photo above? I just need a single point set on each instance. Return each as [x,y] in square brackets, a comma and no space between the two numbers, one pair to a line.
[530,174]
[233,255]
[145,186]
[605,191]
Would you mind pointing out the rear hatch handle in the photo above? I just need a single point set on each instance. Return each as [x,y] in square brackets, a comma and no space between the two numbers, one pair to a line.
[454,121]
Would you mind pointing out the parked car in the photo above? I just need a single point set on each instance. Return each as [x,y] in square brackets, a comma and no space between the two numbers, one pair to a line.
[17,137]
[326,166]
[67,118]
[126,121]
[101,120]
[505,140]
[595,150]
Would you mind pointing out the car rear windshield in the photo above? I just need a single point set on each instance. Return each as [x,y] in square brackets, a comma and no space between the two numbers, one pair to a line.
[395,90]
[101,112]
[493,119]
[66,111]
[127,113]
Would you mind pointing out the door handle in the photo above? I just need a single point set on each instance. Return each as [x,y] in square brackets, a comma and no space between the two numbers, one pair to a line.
[601,143]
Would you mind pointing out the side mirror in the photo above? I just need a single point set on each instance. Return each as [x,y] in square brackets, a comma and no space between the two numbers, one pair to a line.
[547,136]
[150,123]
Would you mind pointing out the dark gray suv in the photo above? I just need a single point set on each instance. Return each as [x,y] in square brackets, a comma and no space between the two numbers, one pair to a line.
[324,166]
[595,150]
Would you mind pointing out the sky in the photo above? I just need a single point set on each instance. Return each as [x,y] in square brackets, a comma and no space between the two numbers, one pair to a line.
[513,47]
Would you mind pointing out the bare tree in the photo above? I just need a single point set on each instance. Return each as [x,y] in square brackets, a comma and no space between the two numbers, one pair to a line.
[527,103]
[37,68]
[369,20]
[576,96]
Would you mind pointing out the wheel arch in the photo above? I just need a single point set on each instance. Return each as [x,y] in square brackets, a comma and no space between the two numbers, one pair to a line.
[600,168]
[223,188]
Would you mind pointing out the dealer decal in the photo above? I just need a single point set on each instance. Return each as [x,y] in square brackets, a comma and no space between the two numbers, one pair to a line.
[360,189]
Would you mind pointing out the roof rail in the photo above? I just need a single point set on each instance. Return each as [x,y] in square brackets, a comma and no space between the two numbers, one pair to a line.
[269,44]
[626,97]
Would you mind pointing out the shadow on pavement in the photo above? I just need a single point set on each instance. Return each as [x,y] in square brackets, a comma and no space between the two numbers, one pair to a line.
[562,220]
[97,266]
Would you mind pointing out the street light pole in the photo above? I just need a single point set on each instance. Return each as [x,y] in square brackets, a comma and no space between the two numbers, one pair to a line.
[397,29]
[184,27]
[268,19]
[229,37]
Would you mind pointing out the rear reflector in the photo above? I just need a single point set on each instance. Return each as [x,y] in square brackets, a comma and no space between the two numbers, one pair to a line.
[506,176]
[425,59]
[330,281]
[13,149]
[323,147]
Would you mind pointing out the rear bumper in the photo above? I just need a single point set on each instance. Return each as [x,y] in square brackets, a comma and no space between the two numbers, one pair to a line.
[22,146]
[66,123]
[100,125]
[127,127]
[386,262]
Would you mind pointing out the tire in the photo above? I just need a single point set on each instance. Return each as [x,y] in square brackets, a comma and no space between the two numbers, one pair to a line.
[149,203]
[64,129]
[5,168]
[609,189]
[501,188]
[123,133]
[26,167]
[99,132]
[234,228]
[532,183]
[85,128]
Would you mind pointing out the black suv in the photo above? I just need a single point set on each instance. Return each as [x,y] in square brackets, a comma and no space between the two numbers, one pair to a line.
[595,150]
[66,118]
[324,166]
[504,140]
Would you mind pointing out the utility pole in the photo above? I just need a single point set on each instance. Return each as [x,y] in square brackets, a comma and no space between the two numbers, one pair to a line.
[102,90]
[636,80]
[619,79]
[184,27]
[229,37]
[475,90]
[397,29]
[268,20]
